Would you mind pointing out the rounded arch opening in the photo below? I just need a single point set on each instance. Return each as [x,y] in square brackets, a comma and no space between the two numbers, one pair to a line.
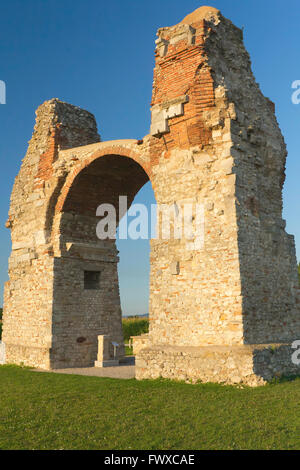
[102,181]
[86,282]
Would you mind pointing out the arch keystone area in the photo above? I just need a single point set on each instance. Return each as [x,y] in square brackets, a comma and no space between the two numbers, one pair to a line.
[226,311]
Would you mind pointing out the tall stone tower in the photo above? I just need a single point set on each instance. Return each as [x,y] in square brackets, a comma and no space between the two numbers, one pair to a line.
[217,142]
[224,310]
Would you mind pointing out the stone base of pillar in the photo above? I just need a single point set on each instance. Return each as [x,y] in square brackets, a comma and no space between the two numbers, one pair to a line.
[251,365]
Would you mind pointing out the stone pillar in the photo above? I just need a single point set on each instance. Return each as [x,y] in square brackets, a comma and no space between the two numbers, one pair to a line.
[229,310]
[29,294]
[105,357]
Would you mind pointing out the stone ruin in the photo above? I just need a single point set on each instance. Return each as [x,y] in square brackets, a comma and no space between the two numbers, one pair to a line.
[227,312]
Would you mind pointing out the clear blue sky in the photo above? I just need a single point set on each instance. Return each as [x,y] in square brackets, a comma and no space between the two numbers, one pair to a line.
[100,55]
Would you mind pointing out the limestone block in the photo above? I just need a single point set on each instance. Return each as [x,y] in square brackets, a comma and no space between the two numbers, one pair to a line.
[236,283]
[139,343]
[18,245]
[159,126]
[175,268]
[173,111]
[162,46]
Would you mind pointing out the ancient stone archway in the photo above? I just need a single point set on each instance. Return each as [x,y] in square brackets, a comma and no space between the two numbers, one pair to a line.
[84,311]
[216,309]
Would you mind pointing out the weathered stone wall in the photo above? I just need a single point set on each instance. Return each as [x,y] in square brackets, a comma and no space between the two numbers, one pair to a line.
[79,314]
[27,314]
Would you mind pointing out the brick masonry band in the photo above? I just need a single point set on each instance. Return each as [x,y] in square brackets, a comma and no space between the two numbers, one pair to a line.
[225,313]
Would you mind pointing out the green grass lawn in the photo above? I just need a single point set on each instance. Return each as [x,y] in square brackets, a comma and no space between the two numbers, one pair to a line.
[54,411]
